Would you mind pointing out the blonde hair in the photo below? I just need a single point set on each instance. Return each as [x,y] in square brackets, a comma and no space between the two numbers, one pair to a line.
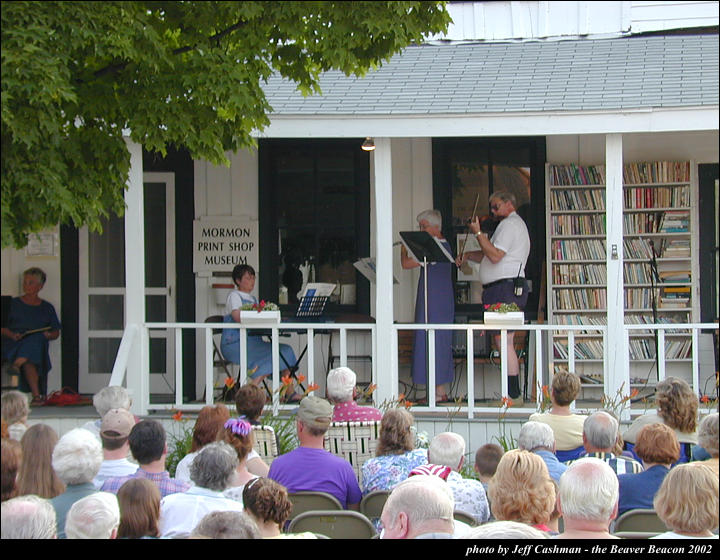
[677,405]
[687,500]
[36,475]
[15,407]
[521,489]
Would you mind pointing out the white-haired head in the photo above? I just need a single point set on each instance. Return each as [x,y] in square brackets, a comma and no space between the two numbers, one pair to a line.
[28,517]
[111,397]
[600,430]
[96,516]
[447,449]
[535,436]
[77,457]
[432,217]
[419,504]
[340,385]
[589,491]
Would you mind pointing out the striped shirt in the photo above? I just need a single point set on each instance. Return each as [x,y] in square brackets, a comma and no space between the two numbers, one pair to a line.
[621,465]
[162,480]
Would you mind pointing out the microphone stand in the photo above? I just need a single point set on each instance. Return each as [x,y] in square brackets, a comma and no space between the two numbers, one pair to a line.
[654,279]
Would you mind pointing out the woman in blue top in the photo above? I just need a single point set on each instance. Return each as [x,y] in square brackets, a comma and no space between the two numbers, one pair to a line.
[259,358]
[32,324]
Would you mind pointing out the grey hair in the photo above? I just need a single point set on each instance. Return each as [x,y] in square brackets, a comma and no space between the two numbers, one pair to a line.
[111,397]
[446,449]
[504,196]
[226,525]
[505,530]
[93,517]
[77,457]
[214,466]
[340,384]
[601,429]
[423,498]
[536,435]
[588,491]
[708,434]
[28,517]
[433,217]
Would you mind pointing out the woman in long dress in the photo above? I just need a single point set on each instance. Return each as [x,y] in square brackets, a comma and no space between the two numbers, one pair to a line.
[441,310]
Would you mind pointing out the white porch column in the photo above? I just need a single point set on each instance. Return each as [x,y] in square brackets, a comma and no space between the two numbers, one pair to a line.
[138,367]
[386,356]
[616,349]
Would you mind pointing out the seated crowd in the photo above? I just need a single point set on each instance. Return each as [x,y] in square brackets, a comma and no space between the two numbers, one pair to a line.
[569,477]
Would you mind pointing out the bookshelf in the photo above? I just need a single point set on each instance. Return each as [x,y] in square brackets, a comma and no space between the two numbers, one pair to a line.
[658,216]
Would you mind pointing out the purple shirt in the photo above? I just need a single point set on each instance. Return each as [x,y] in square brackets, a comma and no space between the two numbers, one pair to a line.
[350,411]
[318,470]
[162,480]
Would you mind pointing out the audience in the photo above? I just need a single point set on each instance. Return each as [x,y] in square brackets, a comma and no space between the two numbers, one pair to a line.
[139,502]
[37,476]
[538,438]
[310,466]
[15,411]
[708,440]
[76,460]
[226,525]
[600,432]
[487,458]
[94,517]
[341,392]
[27,517]
[588,499]
[658,448]
[268,505]
[114,432]
[522,490]
[208,424]
[395,453]
[566,426]
[148,447]
[510,530]
[677,407]
[11,461]
[238,434]
[420,507]
[448,449]
[104,401]
[687,502]
[211,472]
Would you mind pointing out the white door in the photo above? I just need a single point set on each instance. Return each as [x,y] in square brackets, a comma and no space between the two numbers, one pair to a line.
[102,290]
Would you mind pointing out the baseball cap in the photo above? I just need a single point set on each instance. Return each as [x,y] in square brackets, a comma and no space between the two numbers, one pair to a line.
[315,412]
[119,421]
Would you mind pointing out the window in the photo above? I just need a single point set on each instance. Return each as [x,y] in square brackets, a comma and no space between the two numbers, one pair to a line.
[314,219]
[466,170]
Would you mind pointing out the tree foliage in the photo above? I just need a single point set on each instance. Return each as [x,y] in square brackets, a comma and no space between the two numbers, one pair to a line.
[75,75]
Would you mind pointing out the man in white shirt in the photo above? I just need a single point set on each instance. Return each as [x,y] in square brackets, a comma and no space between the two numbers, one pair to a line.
[114,432]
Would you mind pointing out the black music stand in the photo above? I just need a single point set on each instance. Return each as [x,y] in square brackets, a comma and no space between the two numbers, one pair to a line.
[425,249]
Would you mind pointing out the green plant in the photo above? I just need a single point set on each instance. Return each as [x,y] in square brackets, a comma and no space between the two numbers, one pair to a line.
[502,307]
[618,402]
[179,441]
[285,431]
[262,306]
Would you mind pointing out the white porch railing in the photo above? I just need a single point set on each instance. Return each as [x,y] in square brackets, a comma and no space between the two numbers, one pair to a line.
[135,335]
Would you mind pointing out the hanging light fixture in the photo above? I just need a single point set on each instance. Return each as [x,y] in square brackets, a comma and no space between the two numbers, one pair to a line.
[368,145]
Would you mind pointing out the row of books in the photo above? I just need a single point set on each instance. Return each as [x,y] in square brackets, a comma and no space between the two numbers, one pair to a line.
[588,298]
[579,274]
[675,248]
[675,221]
[578,224]
[639,298]
[657,197]
[565,175]
[657,172]
[578,249]
[585,350]
[589,199]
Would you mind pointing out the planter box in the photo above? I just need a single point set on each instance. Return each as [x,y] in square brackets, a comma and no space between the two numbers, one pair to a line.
[264,317]
[509,318]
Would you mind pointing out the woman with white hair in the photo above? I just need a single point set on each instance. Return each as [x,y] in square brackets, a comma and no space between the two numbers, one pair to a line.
[441,309]
[105,400]
[341,392]
[96,516]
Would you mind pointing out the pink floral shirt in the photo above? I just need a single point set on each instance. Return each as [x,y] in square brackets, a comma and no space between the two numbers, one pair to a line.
[350,411]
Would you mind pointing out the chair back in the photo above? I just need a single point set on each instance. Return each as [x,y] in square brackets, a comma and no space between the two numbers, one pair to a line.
[570,454]
[372,504]
[341,524]
[635,534]
[639,521]
[307,500]
[265,443]
[465,517]
[353,441]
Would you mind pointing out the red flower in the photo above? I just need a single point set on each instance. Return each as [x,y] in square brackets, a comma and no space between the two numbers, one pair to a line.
[177,416]
[301,378]
[704,399]
[312,387]
[286,380]
[229,382]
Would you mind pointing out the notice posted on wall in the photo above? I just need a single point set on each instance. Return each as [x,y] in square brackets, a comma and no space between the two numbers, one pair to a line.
[220,243]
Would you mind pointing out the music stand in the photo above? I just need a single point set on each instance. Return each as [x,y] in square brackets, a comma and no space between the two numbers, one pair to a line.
[425,249]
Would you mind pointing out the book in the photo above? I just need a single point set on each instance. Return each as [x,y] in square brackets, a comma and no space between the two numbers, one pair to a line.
[33,331]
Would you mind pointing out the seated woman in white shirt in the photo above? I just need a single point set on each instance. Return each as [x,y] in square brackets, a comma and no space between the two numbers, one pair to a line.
[259,358]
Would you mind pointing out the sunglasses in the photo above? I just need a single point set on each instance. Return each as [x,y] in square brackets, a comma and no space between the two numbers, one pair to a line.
[495,206]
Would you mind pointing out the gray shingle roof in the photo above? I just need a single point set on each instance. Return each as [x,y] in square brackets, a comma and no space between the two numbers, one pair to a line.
[581,75]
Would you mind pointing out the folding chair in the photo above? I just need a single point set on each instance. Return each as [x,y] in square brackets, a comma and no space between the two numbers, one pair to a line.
[342,524]
[372,504]
[639,521]
[265,443]
[465,517]
[308,500]
[353,441]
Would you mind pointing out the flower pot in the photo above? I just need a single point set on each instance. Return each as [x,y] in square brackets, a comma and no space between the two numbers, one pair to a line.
[509,318]
[265,317]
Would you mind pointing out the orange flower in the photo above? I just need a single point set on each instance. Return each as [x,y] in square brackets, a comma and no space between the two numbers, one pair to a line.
[312,387]
[704,399]
[371,388]
[408,404]
[229,382]
[286,380]
[634,393]
[507,402]
[301,378]
[401,396]
[177,416]
[546,391]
